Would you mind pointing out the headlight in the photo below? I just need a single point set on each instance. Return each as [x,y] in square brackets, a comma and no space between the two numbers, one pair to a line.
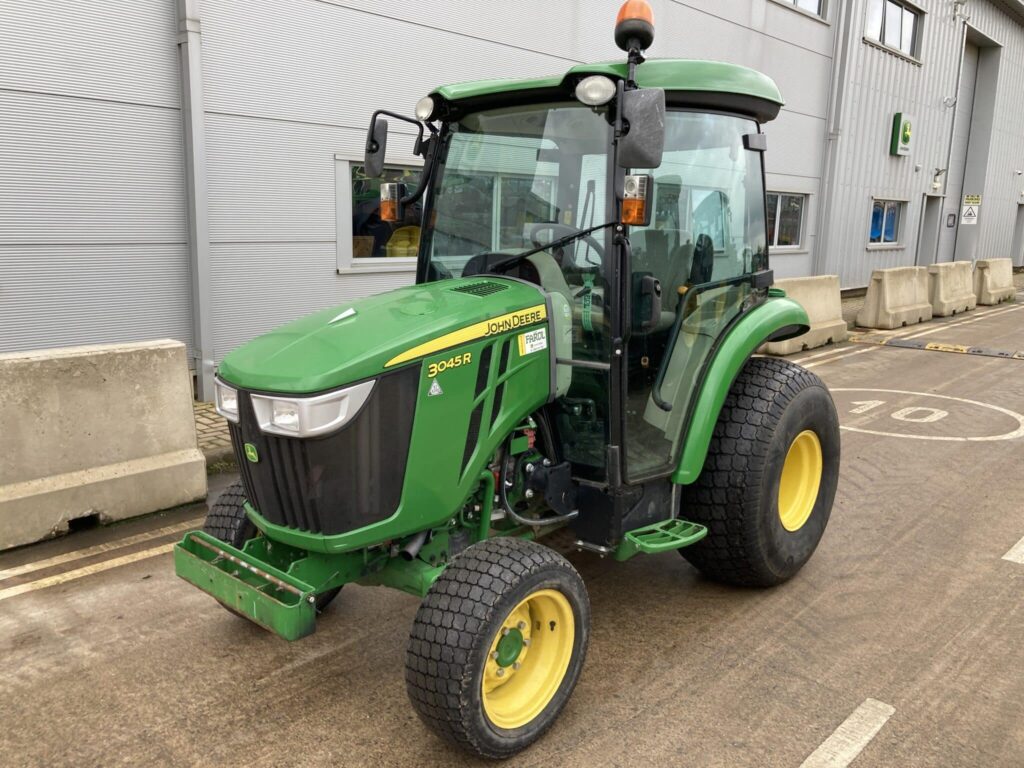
[424,109]
[226,400]
[309,416]
[595,90]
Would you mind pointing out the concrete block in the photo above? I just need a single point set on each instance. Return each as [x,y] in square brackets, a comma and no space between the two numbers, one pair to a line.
[896,297]
[993,281]
[819,296]
[102,430]
[951,288]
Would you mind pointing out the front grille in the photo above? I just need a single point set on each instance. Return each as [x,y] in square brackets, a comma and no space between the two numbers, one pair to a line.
[338,482]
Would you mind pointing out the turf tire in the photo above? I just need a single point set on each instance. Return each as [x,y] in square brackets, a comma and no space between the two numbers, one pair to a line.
[736,495]
[453,630]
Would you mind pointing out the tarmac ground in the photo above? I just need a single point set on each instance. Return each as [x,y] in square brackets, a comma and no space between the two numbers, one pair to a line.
[899,644]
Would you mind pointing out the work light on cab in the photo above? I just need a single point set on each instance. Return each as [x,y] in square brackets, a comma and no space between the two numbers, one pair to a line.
[595,90]
[424,109]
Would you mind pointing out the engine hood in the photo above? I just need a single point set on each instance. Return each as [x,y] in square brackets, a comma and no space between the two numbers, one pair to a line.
[362,338]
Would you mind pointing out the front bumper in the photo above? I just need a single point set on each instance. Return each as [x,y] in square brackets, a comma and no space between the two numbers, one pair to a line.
[258,591]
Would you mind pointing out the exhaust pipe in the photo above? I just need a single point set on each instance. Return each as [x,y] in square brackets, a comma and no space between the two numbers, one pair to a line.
[413,547]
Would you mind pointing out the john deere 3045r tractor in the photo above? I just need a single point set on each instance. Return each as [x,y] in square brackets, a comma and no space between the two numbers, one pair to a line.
[576,354]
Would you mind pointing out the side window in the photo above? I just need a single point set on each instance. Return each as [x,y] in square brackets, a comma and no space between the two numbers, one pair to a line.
[886,216]
[785,220]
[364,239]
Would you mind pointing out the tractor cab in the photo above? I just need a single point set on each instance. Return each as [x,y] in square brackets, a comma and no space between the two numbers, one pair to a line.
[633,194]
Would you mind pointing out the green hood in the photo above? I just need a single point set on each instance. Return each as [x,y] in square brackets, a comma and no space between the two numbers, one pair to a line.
[358,339]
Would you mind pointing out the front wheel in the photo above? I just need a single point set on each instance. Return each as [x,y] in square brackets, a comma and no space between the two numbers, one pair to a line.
[498,645]
[770,477]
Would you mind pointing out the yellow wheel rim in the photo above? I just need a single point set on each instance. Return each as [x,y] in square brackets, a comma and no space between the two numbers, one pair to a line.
[801,477]
[528,659]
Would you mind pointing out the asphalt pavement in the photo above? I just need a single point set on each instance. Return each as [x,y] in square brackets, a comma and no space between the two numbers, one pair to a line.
[899,644]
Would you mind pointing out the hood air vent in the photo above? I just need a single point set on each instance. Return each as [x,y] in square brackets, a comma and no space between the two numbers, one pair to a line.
[481,289]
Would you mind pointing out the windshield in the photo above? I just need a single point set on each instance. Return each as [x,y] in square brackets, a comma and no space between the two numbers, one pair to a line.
[510,171]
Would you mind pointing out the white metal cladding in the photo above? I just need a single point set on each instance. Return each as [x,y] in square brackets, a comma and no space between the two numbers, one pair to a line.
[882,83]
[62,295]
[92,211]
[117,50]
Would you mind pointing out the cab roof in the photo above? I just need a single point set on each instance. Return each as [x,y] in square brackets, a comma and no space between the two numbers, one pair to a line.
[710,84]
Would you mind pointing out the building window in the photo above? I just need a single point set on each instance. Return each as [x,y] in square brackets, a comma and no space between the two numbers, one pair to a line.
[371,237]
[893,25]
[886,216]
[785,219]
[817,7]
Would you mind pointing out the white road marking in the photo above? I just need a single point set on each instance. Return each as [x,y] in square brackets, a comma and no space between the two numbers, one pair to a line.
[1018,432]
[843,356]
[916,334]
[87,570]
[853,734]
[99,549]
[1016,553]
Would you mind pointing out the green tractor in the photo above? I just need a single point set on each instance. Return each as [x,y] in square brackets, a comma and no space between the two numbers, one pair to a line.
[576,356]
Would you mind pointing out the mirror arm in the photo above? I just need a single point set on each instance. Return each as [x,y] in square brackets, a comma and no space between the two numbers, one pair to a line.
[371,145]
[430,154]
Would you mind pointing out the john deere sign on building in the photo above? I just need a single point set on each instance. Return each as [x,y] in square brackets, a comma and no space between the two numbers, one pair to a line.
[902,134]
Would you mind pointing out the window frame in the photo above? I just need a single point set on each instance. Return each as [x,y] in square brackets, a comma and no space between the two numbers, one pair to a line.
[914,56]
[345,261]
[883,244]
[826,6]
[801,246]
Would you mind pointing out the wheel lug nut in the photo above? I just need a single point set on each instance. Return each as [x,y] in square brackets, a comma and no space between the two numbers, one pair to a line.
[521,625]
[516,665]
[526,641]
[494,655]
[504,632]
[501,672]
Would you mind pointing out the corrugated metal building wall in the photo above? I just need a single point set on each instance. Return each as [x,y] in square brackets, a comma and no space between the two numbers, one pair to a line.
[882,83]
[92,210]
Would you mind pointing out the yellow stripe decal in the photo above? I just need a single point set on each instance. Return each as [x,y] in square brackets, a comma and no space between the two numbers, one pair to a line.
[501,324]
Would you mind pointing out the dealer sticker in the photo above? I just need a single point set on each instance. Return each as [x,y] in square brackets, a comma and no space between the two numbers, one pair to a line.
[533,341]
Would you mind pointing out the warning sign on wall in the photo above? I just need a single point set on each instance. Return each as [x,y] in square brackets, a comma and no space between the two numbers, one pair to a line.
[971,209]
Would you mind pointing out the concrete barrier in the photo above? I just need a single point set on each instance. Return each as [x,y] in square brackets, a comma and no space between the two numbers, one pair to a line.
[819,296]
[993,281]
[896,297]
[102,430]
[950,288]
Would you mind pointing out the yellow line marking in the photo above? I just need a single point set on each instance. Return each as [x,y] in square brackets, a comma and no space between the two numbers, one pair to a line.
[938,346]
[508,322]
[99,549]
[86,570]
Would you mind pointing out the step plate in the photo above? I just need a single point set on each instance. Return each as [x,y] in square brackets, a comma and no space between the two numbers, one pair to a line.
[660,537]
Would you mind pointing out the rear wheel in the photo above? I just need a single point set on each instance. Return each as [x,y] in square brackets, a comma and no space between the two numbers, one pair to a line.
[498,645]
[770,477]
[228,522]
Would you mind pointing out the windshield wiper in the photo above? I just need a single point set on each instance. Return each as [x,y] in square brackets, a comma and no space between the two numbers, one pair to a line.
[562,241]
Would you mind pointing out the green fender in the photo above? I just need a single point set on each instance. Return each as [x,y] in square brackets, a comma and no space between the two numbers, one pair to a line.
[753,329]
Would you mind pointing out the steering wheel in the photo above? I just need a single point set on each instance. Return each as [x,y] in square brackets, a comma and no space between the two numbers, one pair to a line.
[563,230]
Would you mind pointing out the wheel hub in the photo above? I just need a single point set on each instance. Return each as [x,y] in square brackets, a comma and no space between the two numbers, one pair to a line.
[800,480]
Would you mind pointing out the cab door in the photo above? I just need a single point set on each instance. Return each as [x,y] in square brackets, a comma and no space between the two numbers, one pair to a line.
[705,241]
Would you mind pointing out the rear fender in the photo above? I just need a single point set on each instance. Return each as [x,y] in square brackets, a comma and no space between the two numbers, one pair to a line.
[775,319]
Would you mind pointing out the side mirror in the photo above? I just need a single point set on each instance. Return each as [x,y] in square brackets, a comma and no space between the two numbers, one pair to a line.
[376,145]
[643,145]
